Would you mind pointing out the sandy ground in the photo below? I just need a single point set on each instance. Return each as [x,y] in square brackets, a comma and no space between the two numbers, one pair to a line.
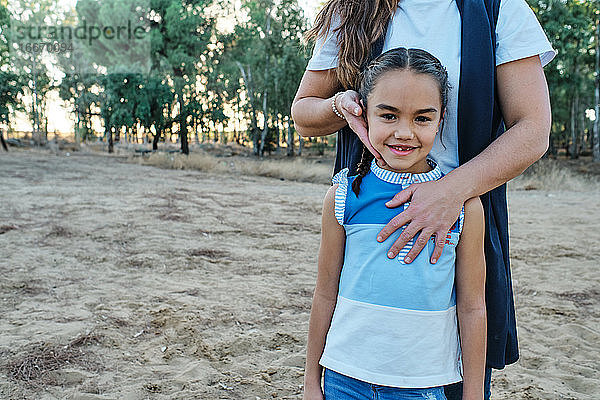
[121,281]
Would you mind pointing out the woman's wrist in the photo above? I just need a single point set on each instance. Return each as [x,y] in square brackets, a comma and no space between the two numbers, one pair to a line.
[312,385]
[312,376]
[334,106]
[472,395]
[460,185]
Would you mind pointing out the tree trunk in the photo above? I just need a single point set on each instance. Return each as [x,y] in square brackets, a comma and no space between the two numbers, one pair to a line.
[4,146]
[265,130]
[290,138]
[183,134]
[300,144]
[573,147]
[156,139]
[247,77]
[34,106]
[596,151]
[185,149]
[265,78]
[277,134]
[196,124]
[583,142]
[110,140]
[45,129]
[551,147]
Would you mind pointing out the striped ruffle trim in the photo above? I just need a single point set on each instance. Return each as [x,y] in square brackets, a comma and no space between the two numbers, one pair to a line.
[341,179]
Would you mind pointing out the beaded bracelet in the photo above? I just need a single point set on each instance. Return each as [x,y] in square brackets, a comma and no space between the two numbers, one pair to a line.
[333,107]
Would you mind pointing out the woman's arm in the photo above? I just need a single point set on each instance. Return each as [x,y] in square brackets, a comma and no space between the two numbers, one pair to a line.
[525,104]
[331,258]
[312,112]
[311,108]
[470,299]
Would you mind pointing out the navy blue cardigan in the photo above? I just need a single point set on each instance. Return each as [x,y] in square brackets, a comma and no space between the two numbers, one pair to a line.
[479,124]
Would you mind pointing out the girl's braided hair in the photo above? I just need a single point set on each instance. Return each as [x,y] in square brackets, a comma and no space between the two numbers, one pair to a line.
[415,60]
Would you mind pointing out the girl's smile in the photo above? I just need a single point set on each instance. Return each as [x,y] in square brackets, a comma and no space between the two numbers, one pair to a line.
[403,114]
[401,150]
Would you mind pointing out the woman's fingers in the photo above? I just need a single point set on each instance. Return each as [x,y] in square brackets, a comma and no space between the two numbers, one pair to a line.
[395,223]
[440,241]
[402,197]
[401,219]
[407,234]
[419,245]
[359,126]
[350,102]
[432,210]
[350,106]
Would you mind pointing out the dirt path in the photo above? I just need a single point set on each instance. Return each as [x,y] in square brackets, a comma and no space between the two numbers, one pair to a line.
[166,284]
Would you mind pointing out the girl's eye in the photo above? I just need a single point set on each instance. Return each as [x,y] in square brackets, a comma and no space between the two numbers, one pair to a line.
[388,116]
[422,118]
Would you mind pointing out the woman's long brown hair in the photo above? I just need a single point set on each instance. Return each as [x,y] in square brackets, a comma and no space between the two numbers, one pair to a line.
[361,23]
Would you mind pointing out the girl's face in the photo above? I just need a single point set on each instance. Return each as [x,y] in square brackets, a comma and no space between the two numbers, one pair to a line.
[404,114]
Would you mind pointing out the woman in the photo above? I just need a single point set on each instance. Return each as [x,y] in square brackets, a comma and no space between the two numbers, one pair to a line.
[499,49]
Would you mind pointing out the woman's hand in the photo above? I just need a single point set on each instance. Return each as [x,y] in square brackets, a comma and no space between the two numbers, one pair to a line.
[313,393]
[434,208]
[349,104]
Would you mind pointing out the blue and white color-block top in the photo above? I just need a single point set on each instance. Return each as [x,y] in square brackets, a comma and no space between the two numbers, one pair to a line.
[394,324]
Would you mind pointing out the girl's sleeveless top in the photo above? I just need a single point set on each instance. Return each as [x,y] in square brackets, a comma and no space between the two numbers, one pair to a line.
[394,324]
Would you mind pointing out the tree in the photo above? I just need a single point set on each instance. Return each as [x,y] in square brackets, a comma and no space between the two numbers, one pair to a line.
[596,149]
[265,48]
[181,33]
[569,26]
[11,87]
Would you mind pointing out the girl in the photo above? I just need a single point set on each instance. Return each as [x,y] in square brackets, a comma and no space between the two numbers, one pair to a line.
[394,332]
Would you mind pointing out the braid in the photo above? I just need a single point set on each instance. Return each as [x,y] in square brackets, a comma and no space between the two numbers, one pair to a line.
[364,166]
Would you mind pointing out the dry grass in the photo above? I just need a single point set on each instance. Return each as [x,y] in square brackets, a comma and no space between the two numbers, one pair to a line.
[59,231]
[543,175]
[300,170]
[209,253]
[7,228]
[34,363]
[580,175]
[555,175]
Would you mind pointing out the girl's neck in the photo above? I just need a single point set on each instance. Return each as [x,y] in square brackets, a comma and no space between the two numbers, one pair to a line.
[419,168]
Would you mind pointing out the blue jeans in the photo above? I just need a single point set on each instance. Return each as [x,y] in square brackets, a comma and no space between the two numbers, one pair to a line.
[454,391]
[341,387]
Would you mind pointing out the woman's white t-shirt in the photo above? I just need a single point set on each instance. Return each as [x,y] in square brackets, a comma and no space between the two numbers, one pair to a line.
[435,26]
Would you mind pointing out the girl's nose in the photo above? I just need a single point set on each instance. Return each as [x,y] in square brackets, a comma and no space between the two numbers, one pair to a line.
[403,133]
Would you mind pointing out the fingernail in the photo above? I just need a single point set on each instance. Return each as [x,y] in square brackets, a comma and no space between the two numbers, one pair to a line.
[434,260]
[379,238]
[388,203]
[356,110]
[407,259]
[390,255]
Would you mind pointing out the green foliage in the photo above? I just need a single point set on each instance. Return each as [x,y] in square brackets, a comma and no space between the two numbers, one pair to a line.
[4,27]
[264,53]
[569,25]
[185,75]
[11,88]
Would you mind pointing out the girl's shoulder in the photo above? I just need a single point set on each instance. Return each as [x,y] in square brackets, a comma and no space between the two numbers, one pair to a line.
[341,183]
[341,177]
